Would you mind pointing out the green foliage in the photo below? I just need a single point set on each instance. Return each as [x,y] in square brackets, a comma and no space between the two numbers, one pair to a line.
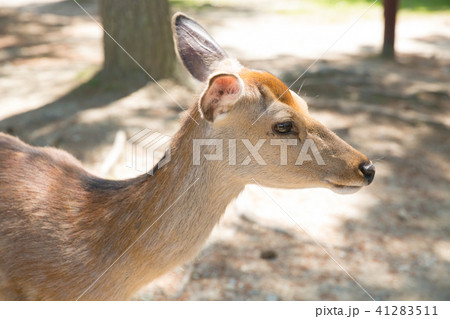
[426,5]
[193,4]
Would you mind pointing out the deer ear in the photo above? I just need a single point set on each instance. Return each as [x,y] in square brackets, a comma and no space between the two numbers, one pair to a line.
[223,91]
[196,48]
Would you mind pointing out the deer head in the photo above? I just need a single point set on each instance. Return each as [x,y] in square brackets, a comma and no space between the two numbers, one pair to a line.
[267,127]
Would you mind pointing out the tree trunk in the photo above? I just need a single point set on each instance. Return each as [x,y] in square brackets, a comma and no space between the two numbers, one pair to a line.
[390,14]
[142,28]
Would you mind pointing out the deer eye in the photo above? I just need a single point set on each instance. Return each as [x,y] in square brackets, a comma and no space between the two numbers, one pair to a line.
[283,128]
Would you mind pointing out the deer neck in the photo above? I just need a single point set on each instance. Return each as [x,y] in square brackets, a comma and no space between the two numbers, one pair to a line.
[198,192]
[171,213]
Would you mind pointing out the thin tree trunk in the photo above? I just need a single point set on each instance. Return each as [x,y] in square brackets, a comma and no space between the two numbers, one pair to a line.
[142,28]
[390,14]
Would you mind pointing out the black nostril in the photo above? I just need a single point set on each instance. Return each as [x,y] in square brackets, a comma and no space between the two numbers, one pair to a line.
[368,170]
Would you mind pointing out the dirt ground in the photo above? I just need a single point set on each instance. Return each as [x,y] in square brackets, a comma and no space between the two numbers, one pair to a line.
[393,237]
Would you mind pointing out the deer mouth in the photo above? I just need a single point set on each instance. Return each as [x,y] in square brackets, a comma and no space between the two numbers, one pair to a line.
[343,189]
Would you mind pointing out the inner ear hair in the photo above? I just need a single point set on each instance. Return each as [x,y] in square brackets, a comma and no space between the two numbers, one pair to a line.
[222,93]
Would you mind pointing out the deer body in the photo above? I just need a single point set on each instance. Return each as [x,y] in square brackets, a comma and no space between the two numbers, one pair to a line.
[63,227]
[66,234]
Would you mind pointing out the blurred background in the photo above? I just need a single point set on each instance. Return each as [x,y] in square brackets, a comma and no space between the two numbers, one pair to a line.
[63,84]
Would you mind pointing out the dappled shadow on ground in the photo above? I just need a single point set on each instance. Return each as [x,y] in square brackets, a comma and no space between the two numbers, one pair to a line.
[238,268]
[48,124]
[20,36]
[65,8]
[33,31]
[437,40]
[260,263]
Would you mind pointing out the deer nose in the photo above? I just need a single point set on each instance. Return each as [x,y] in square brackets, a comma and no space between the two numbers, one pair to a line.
[368,170]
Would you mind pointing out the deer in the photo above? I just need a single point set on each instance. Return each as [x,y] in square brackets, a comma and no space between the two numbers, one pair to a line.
[66,234]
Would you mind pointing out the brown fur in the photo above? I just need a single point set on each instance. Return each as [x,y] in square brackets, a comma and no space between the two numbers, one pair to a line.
[60,227]
[278,89]
[66,234]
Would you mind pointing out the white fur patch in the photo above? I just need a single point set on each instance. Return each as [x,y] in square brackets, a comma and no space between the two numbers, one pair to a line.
[301,102]
[229,65]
